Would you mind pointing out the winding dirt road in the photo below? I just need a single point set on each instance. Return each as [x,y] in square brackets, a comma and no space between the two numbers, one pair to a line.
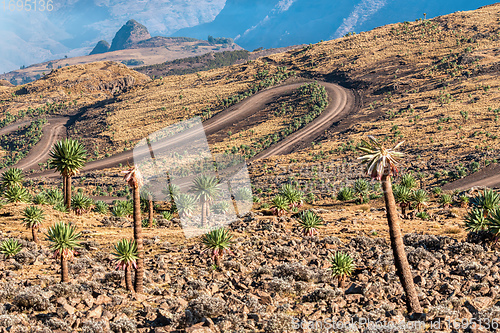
[341,103]
[486,177]
[53,130]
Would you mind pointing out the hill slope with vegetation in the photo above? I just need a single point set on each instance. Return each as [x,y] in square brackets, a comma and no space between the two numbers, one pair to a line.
[316,245]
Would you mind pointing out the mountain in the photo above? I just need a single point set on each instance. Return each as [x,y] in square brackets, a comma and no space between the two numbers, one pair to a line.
[132,46]
[101,47]
[74,27]
[131,33]
[279,23]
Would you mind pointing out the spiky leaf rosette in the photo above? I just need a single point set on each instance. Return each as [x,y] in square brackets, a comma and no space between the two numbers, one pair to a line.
[122,208]
[126,254]
[145,223]
[420,198]
[17,194]
[380,160]
[167,215]
[61,207]
[309,222]
[133,177]
[40,199]
[186,204]
[488,200]
[295,197]
[68,156]
[206,188]
[221,207]
[408,181]
[280,205]
[218,242]
[10,247]
[493,222]
[33,217]
[346,193]
[446,200]
[54,196]
[342,264]
[172,190]
[361,186]
[475,220]
[12,177]
[243,194]
[80,203]
[402,195]
[64,240]
[464,201]
[101,207]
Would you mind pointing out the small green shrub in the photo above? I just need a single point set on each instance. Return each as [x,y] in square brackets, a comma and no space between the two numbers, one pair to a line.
[40,199]
[475,220]
[81,204]
[446,200]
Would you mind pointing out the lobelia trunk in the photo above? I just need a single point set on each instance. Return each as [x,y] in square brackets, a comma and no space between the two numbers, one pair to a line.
[128,278]
[342,281]
[67,192]
[217,261]
[403,269]
[34,232]
[139,274]
[64,270]
[150,206]
[203,212]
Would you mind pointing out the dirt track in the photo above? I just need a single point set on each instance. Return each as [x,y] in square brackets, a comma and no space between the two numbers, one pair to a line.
[488,177]
[53,130]
[341,103]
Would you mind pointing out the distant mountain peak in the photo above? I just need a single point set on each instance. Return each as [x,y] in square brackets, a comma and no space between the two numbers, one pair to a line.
[101,47]
[131,33]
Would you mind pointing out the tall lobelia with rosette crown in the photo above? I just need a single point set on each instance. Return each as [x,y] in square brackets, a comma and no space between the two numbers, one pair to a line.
[381,164]
[134,179]
[64,240]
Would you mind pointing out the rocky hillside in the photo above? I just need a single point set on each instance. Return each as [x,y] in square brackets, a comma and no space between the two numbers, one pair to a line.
[75,88]
[274,278]
[428,82]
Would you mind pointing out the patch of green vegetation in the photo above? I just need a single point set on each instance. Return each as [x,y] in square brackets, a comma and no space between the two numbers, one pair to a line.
[18,143]
[48,108]
[132,62]
[199,63]
[316,100]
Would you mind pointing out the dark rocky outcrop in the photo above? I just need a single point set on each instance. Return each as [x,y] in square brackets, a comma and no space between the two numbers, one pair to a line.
[131,33]
[101,47]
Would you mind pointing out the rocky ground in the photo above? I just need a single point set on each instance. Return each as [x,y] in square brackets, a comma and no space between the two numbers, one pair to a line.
[275,279]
